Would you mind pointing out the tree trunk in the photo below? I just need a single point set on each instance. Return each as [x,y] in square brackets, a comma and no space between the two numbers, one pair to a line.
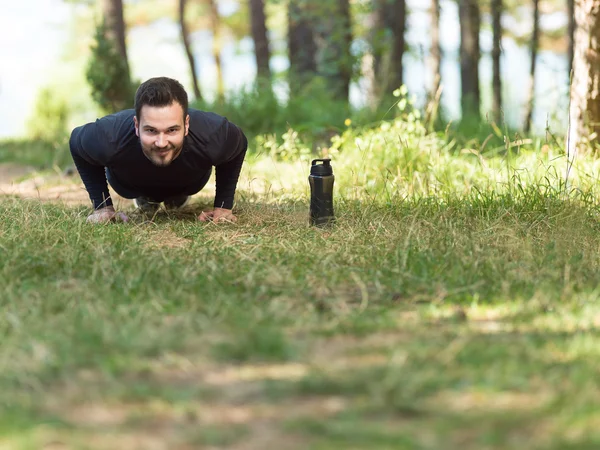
[388,20]
[535,42]
[434,94]
[378,47]
[115,25]
[346,61]
[215,25]
[397,24]
[470,23]
[188,50]
[496,53]
[262,51]
[571,31]
[584,110]
[334,61]
[110,74]
[436,50]
[372,59]
[301,44]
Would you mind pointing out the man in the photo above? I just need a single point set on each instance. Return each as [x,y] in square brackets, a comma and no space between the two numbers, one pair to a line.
[159,152]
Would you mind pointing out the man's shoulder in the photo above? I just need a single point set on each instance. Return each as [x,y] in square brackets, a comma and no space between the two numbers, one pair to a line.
[107,136]
[118,129]
[112,125]
[117,122]
[209,125]
[205,119]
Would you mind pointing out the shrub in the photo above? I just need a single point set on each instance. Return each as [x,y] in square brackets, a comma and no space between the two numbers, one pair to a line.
[50,116]
[108,75]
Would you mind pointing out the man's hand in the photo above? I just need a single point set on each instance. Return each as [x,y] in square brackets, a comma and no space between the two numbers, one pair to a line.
[217,215]
[105,215]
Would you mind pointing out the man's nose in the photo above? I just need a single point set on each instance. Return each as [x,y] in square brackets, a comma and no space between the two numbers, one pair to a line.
[161,140]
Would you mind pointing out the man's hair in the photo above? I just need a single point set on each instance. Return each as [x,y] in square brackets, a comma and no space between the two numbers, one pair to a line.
[160,91]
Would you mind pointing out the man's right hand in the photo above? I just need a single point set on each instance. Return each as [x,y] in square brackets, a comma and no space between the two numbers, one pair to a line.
[105,215]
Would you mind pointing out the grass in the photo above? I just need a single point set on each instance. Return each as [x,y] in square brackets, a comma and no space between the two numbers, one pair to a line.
[419,325]
[454,305]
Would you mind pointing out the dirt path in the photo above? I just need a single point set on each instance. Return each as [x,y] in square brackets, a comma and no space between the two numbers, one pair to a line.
[10,173]
[265,178]
[24,182]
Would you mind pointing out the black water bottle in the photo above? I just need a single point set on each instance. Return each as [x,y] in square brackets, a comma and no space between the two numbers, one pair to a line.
[321,192]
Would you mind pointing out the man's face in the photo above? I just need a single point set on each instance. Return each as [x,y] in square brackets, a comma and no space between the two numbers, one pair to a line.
[161,130]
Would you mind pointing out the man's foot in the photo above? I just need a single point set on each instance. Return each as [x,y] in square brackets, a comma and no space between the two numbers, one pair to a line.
[176,202]
[145,205]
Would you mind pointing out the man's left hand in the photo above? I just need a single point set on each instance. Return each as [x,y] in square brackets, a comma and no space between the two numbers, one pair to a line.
[217,215]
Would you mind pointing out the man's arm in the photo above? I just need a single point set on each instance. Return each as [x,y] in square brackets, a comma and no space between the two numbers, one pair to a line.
[87,155]
[227,175]
[233,145]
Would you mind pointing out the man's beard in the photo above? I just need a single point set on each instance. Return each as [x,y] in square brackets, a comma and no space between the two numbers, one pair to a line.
[152,153]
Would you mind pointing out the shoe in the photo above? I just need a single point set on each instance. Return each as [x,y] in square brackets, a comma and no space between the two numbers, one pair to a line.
[145,205]
[176,202]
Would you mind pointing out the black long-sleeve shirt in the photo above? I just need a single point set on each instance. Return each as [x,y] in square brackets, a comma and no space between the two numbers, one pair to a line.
[111,142]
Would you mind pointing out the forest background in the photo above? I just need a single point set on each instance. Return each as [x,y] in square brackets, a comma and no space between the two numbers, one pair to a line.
[455,302]
[51,61]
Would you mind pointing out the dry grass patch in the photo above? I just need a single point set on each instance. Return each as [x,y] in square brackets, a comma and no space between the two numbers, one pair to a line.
[164,238]
[488,402]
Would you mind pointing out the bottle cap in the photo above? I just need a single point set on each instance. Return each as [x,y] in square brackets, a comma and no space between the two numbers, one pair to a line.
[324,169]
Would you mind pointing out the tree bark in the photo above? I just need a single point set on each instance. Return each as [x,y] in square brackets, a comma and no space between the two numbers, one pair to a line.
[436,50]
[571,31]
[301,44]
[262,50]
[347,62]
[434,94]
[470,23]
[333,40]
[215,25]
[397,24]
[496,53]
[378,47]
[372,58]
[584,110]
[535,42]
[115,26]
[188,50]
[388,25]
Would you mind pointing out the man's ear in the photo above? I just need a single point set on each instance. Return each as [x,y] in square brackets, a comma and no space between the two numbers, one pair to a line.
[187,124]
[137,126]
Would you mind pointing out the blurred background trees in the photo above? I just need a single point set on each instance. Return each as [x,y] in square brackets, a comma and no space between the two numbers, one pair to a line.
[312,59]
[262,48]
[470,51]
[584,110]
[108,68]
[185,40]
